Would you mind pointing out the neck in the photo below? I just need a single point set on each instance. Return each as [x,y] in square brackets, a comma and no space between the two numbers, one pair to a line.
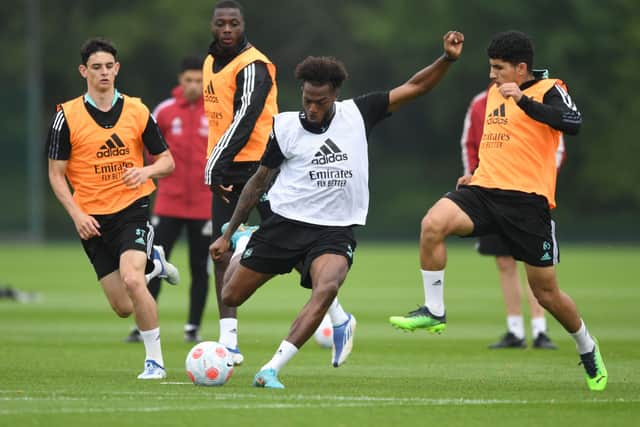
[525,79]
[220,52]
[103,101]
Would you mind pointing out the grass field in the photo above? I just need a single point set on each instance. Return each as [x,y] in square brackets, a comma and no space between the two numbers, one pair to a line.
[63,362]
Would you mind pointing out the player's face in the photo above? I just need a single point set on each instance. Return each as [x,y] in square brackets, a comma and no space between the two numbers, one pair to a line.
[100,72]
[227,27]
[317,101]
[502,72]
[191,82]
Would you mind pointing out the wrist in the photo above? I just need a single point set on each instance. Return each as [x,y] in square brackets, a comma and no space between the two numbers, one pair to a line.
[447,58]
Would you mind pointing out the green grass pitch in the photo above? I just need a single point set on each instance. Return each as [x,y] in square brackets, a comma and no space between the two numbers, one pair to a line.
[63,362]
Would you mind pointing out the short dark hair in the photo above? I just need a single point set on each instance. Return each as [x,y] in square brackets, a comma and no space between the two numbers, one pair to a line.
[228,4]
[192,62]
[513,47]
[97,44]
[320,70]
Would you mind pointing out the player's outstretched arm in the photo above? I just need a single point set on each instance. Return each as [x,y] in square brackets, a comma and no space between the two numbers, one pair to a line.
[428,77]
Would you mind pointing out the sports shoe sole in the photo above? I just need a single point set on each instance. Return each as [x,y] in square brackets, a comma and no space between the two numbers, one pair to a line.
[435,329]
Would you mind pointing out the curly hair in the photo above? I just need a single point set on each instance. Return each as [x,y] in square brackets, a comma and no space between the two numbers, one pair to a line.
[513,47]
[320,70]
[94,45]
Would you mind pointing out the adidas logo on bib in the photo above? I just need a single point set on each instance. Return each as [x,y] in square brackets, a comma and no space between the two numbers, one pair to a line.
[328,153]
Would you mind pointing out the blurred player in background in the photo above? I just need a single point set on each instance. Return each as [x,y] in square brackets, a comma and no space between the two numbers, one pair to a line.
[510,193]
[495,246]
[183,201]
[96,142]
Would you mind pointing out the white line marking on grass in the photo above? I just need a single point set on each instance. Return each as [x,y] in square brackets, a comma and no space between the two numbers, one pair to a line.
[297,401]
[227,406]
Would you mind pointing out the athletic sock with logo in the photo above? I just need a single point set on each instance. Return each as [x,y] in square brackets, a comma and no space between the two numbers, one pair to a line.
[433,282]
[151,339]
[538,326]
[584,342]
[336,313]
[285,352]
[515,325]
[229,332]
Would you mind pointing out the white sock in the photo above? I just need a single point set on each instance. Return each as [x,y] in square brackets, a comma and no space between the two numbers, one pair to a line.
[285,352]
[515,325]
[241,245]
[538,326]
[157,268]
[433,282]
[151,340]
[336,313]
[584,342]
[229,332]
[190,327]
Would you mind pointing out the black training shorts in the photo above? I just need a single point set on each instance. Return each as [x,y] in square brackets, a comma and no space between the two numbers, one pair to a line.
[120,231]
[492,244]
[523,221]
[281,244]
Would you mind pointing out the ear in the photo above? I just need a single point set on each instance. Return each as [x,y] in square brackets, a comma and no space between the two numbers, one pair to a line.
[116,68]
[521,69]
[82,69]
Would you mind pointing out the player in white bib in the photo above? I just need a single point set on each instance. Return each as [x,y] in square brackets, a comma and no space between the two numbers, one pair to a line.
[320,194]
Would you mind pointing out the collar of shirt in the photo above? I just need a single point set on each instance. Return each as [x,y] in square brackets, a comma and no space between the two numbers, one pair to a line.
[319,127]
[90,101]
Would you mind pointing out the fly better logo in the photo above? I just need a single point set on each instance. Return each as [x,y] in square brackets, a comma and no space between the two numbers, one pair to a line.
[112,147]
[498,116]
[328,153]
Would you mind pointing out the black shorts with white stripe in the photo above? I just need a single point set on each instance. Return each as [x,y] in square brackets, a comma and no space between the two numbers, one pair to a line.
[121,231]
[522,220]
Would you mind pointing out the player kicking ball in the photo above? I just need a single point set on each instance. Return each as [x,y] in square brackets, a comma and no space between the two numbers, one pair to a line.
[319,195]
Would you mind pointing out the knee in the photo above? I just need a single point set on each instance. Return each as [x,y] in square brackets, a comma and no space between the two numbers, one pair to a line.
[326,291]
[123,309]
[545,296]
[432,228]
[506,264]
[133,281]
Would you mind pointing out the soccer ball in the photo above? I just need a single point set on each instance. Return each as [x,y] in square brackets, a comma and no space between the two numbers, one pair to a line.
[324,334]
[209,363]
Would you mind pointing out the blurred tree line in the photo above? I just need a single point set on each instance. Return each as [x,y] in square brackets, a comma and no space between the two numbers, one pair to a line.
[415,155]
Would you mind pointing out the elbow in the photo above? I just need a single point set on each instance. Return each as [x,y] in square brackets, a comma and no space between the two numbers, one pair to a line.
[169,164]
[571,130]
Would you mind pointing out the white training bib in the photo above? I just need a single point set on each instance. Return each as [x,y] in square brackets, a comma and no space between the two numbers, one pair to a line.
[324,178]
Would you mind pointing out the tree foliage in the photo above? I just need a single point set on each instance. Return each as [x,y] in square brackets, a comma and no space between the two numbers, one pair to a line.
[415,155]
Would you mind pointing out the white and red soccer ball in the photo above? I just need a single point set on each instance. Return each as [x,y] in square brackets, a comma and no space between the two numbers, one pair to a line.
[209,363]
[324,334]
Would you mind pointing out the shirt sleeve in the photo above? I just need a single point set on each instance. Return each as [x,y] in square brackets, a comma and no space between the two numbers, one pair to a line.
[272,157]
[472,132]
[253,84]
[373,107]
[557,110]
[152,137]
[59,139]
